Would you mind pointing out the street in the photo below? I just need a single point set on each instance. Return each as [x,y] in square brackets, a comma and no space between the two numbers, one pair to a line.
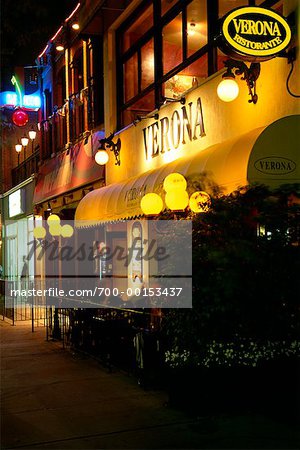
[54,399]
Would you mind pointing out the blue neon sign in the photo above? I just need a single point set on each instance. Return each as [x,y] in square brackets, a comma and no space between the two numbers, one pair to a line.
[11,98]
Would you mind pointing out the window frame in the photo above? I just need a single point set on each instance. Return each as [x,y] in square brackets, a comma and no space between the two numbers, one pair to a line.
[155,33]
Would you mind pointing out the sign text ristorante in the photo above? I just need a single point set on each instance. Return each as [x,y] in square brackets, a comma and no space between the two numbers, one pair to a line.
[184,125]
[255,32]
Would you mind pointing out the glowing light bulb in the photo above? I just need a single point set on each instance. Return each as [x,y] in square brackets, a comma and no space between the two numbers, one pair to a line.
[39,232]
[24,141]
[75,26]
[52,219]
[101,157]
[228,90]
[200,202]
[177,200]
[151,204]
[174,181]
[67,231]
[32,134]
[60,48]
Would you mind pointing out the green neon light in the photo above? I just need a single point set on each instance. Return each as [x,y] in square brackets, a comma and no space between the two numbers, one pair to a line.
[18,89]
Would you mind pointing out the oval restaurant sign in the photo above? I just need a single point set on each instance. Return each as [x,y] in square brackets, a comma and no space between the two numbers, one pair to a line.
[253,32]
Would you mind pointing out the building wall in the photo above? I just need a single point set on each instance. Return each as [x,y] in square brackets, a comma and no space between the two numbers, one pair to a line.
[222,120]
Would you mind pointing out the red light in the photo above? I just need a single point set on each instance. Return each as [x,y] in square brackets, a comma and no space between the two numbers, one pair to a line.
[20,118]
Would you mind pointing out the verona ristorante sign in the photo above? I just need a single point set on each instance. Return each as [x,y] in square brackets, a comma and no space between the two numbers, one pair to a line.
[253,33]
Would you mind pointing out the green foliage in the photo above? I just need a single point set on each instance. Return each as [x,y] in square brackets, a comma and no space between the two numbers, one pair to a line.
[245,287]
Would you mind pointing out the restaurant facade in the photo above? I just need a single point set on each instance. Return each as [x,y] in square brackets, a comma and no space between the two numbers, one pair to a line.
[139,83]
[163,66]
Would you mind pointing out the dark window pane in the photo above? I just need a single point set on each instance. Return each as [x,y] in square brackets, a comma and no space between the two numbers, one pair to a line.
[130,77]
[196,25]
[147,76]
[140,108]
[227,5]
[143,23]
[172,44]
[166,5]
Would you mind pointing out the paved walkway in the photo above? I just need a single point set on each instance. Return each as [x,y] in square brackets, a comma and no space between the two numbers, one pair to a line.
[51,400]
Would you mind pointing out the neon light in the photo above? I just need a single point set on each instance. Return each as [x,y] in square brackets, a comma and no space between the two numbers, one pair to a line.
[72,13]
[59,30]
[32,101]
[11,98]
[18,89]
[43,51]
[56,34]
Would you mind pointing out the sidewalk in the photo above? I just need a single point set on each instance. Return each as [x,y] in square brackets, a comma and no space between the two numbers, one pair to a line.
[51,400]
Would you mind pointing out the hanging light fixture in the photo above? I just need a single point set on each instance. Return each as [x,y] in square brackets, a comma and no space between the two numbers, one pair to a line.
[228,89]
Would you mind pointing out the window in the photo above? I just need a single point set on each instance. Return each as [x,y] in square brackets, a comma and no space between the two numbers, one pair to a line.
[140,26]
[172,44]
[166,5]
[166,48]
[228,5]
[147,64]
[196,26]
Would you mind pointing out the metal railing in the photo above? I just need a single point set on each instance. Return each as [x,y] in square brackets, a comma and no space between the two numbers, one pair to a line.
[120,338]
[26,168]
[54,128]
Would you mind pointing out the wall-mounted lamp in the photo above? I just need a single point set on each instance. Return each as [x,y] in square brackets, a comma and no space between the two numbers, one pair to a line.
[228,89]
[166,100]
[75,25]
[59,47]
[102,157]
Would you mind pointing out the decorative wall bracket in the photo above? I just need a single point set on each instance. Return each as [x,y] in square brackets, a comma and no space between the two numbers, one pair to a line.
[108,144]
[249,74]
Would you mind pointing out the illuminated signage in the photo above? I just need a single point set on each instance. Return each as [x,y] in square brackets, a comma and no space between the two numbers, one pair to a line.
[28,101]
[254,33]
[15,203]
[184,125]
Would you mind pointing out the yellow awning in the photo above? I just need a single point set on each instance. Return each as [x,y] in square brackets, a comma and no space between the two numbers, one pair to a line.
[225,164]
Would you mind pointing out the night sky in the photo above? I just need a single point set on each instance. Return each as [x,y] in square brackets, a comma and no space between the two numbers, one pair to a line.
[26,26]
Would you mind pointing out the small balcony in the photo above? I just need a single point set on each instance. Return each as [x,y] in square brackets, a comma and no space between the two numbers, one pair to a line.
[26,168]
[68,122]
